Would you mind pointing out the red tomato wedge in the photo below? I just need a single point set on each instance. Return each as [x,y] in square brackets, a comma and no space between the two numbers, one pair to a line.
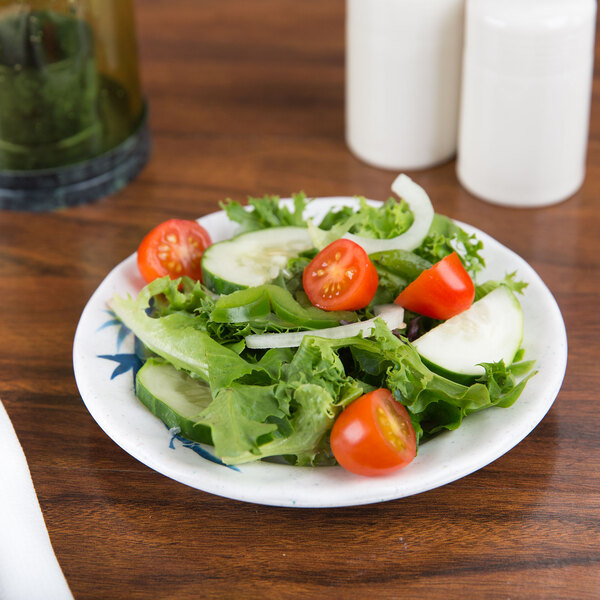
[440,292]
[340,277]
[374,435]
[173,248]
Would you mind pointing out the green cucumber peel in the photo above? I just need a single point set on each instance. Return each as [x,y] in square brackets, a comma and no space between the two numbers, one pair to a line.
[175,398]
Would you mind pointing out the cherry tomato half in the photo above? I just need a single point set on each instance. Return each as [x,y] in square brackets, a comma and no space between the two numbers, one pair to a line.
[340,277]
[374,435]
[440,292]
[173,248]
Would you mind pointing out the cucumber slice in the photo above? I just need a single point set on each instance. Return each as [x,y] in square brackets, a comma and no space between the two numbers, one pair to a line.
[175,398]
[252,258]
[489,331]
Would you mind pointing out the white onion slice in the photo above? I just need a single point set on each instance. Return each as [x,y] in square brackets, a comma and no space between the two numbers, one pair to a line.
[392,315]
[420,205]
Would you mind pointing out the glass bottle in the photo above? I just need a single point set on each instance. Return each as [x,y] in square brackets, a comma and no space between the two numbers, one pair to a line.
[72,114]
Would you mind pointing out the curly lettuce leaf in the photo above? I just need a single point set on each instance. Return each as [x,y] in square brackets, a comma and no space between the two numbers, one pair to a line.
[244,431]
[290,415]
[387,221]
[165,296]
[509,281]
[238,417]
[445,237]
[266,212]
[384,222]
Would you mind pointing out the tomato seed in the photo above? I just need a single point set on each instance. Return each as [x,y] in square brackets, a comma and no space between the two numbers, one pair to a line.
[391,428]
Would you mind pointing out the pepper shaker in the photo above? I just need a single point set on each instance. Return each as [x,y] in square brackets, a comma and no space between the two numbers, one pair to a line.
[526,93]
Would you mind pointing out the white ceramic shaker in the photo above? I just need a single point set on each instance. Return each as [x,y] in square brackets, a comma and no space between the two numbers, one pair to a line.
[526,93]
[403,64]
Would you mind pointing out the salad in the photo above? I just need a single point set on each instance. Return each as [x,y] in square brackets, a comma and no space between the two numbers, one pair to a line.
[351,340]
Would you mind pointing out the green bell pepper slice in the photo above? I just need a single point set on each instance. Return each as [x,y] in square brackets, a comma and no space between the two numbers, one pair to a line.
[261,301]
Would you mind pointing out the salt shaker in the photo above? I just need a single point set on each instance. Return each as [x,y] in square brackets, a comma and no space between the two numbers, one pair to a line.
[403,64]
[526,93]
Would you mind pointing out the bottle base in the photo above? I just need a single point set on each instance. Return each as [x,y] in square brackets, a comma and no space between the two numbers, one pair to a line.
[79,183]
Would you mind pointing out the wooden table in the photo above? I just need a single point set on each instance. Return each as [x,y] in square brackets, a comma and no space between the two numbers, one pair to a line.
[247,98]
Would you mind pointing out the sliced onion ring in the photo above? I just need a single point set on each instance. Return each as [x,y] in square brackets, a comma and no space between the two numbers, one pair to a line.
[420,205]
[391,314]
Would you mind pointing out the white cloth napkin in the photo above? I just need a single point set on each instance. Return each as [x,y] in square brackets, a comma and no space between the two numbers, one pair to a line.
[28,567]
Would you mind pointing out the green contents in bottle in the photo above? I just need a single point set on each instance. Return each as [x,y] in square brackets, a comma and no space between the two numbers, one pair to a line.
[55,107]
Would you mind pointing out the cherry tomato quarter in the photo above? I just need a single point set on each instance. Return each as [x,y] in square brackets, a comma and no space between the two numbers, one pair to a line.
[173,248]
[440,292]
[374,435]
[340,277]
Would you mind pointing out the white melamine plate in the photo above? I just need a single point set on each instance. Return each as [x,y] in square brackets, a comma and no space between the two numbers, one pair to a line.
[104,364]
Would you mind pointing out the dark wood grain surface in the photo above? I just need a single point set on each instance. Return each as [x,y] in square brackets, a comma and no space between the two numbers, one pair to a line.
[246,98]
